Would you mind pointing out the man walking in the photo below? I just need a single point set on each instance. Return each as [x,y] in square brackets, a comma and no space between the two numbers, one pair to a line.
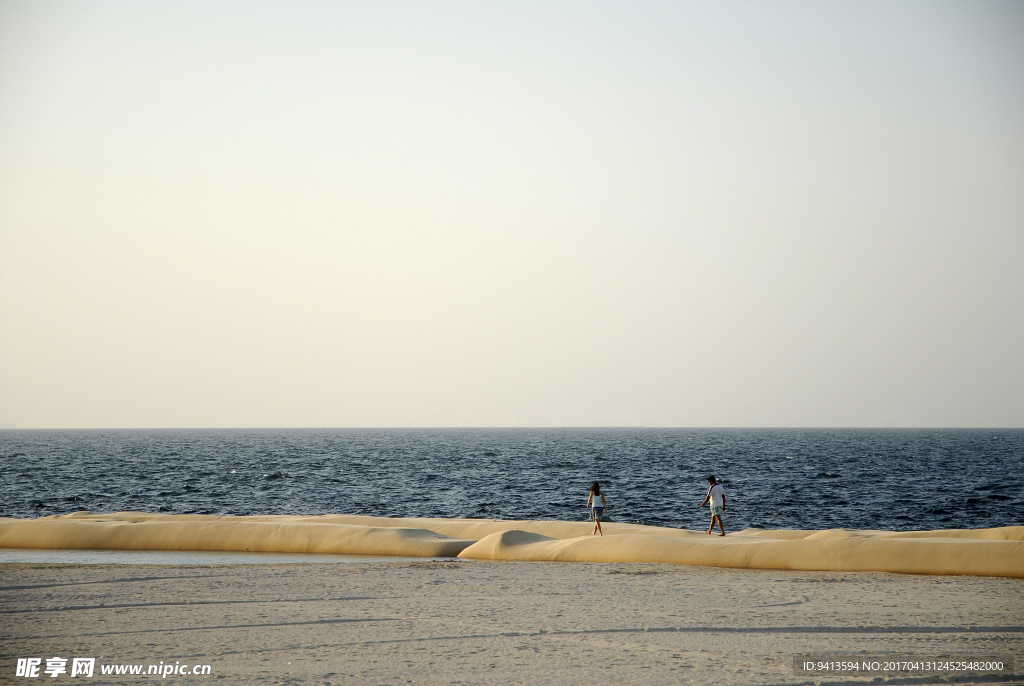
[716,494]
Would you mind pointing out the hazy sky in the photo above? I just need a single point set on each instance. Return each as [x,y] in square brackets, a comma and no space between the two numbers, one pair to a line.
[511,214]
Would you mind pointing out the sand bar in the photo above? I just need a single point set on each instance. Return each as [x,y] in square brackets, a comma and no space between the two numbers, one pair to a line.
[977,552]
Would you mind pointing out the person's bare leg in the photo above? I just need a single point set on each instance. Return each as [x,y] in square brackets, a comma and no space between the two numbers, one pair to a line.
[711,525]
[598,522]
[720,527]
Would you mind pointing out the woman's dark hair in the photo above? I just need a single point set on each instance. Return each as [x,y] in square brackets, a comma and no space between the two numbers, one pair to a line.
[595,488]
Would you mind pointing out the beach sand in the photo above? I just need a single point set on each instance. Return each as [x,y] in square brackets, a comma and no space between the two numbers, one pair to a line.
[979,552]
[525,602]
[484,622]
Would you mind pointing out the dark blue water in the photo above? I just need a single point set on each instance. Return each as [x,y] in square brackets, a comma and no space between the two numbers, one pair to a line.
[774,478]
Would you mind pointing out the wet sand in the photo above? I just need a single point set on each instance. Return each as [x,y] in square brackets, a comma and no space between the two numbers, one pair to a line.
[482,622]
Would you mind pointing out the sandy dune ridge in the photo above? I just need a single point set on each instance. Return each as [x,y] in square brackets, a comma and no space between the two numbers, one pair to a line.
[979,552]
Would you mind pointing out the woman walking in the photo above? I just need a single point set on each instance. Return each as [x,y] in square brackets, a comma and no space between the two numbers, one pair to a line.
[716,494]
[597,505]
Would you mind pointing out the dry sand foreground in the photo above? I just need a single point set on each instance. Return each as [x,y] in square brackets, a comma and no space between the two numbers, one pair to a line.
[481,622]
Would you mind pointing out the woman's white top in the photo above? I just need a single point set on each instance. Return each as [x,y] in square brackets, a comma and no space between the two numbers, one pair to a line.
[595,500]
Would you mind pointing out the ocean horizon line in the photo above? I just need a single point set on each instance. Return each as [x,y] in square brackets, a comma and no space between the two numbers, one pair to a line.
[10,427]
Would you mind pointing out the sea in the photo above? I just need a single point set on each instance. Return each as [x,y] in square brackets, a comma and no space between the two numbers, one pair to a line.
[773,478]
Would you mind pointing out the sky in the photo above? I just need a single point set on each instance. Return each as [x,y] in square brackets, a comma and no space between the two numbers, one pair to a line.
[462,214]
